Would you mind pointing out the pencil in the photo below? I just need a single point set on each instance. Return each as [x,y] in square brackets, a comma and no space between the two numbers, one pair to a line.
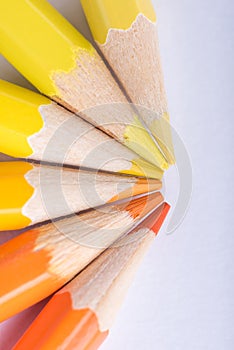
[32,193]
[32,127]
[80,315]
[126,33]
[38,262]
[63,65]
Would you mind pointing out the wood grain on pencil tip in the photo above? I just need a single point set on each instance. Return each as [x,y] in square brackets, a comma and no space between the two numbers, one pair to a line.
[63,65]
[83,311]
[126,34]
[32,194]
[31,126]
[52,254]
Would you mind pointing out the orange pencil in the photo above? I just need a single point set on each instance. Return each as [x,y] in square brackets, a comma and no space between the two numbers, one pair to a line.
[40,261]
[80,315]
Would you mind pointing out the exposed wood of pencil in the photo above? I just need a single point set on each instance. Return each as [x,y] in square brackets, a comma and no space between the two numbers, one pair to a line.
[31,193]
[80,315]
[39,261]
[63,65]
[31,126]
[126,33]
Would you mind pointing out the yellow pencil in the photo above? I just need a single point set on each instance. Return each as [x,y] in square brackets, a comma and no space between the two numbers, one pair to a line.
[31,126]
[126,33]
[63,65]
[31,193]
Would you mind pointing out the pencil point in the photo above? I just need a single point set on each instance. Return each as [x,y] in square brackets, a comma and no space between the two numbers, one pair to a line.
[138,139]
[162,216]
[144,205]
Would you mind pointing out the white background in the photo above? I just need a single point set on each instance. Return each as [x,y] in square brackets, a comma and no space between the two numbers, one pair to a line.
[182,298]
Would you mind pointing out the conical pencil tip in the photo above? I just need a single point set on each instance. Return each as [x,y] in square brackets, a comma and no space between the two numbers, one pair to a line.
[140,167]
[163,211]
[148,185]
[140,187]
[140,207]
[155,220]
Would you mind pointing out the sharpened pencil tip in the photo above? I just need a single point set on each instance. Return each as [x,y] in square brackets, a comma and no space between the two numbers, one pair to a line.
[163,213]
[143,205]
